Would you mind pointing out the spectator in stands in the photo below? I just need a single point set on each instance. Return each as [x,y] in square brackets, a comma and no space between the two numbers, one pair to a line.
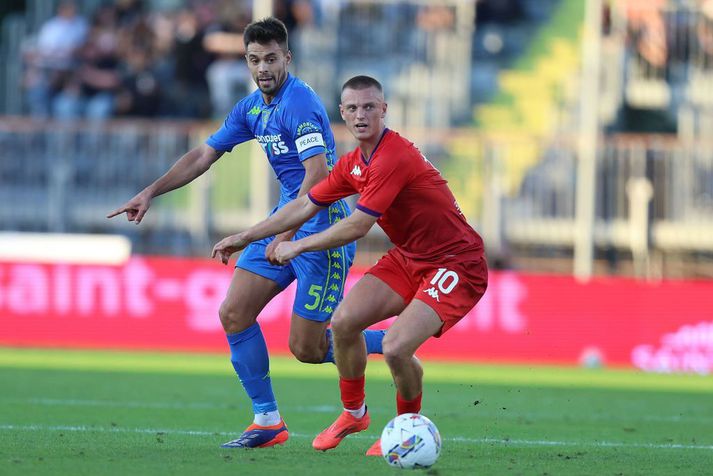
[435,17]
[50,61]
[228,75]
[189,90]
[294,13]
[140,94]
[137,61]
[90,91]
[647,33]
[62,35]
[129,12]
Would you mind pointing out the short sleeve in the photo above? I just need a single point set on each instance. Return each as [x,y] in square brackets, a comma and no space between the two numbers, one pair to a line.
[333,187]
[387,177]
[306,123]
[234,130]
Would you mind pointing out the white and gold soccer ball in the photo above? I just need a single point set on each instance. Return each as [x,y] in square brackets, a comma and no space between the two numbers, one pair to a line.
[410,441]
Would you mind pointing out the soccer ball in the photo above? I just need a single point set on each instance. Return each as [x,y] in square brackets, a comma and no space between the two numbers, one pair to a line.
[410,441]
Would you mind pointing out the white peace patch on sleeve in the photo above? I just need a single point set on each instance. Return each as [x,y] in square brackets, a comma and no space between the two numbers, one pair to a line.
[308,141]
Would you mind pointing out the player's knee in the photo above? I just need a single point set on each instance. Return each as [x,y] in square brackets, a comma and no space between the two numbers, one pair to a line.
[232,319]
[344,324]
[306,353]
[395,352]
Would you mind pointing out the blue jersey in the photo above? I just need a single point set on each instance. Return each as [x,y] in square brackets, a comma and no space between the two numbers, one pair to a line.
[292,128]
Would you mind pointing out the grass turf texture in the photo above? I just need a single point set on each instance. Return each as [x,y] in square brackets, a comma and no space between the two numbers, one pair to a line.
[82,412]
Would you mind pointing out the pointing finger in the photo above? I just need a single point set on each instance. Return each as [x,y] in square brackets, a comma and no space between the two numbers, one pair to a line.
[116,212]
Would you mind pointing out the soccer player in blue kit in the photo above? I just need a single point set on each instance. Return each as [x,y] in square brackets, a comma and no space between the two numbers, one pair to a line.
[289,121]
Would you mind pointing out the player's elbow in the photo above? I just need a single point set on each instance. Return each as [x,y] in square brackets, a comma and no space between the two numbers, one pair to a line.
[205,156]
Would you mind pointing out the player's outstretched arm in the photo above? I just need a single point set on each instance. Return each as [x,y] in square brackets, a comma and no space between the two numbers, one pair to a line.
[350,229]
[315,171]
[290,216]
[193,164]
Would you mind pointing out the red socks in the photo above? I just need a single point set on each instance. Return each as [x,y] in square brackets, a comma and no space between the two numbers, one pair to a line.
[408,406]
[352,391]
[353,395]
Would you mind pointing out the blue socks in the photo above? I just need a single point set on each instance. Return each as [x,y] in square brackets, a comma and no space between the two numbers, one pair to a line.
[248,354]
[329,356]
[373,343]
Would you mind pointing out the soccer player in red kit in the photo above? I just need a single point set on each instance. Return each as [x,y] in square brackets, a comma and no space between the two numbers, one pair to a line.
[432,277]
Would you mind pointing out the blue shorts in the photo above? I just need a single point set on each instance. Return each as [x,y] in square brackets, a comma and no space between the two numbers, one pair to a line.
[320,275]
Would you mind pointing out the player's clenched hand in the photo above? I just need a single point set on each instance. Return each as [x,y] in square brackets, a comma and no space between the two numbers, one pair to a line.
[225,248]
[135,208]
[270,250]
[285,251]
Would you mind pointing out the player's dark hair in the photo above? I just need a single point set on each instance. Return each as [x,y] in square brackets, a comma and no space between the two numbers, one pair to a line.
[264,31]
[362,82]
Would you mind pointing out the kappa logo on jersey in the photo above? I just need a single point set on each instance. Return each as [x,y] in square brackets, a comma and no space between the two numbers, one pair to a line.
[356,171]
[254,111]
[433,293]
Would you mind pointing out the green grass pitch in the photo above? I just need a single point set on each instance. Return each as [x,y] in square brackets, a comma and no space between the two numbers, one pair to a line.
[106,413]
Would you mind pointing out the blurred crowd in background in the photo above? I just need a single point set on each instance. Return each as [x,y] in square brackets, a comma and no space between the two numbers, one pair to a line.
[127,60]
[183,58]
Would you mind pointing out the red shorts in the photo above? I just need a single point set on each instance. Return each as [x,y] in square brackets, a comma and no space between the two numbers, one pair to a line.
[451,287]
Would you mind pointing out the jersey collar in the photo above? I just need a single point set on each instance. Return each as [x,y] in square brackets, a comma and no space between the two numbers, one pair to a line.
[361,154]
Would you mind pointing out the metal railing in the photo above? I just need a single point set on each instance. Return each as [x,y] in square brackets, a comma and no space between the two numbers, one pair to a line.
[654,193]
[65,177]
[654,196]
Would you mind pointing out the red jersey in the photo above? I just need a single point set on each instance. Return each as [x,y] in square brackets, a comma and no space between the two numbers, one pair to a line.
[412,200]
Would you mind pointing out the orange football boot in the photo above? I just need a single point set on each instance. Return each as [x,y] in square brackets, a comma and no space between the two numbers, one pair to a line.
[345,425]
[375,449]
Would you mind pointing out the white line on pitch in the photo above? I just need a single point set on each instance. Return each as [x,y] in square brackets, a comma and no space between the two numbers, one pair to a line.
[333,408]
[459,439]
